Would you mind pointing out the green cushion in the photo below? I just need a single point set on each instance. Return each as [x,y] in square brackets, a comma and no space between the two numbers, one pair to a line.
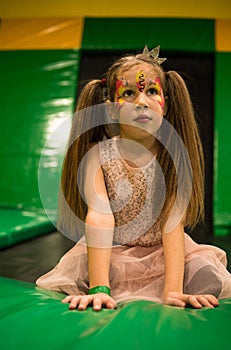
[222,188]
[37,94]
[32,318]
[19,225]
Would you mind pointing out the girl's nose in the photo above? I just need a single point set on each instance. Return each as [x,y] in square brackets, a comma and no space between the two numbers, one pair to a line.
[140,107]
[141,101]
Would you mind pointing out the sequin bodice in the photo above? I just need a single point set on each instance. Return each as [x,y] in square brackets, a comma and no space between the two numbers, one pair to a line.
[131,194]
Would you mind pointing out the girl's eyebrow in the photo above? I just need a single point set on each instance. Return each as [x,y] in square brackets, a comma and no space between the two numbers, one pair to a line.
[147,83]
[126,83]
[151,82]
[130,85]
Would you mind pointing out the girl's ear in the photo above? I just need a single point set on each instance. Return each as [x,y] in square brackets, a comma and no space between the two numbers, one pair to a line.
[111,109]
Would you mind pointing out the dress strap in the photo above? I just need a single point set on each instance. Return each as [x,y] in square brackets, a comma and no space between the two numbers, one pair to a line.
[108,150]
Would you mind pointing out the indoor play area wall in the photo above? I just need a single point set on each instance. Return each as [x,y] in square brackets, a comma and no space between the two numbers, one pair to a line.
[43,52]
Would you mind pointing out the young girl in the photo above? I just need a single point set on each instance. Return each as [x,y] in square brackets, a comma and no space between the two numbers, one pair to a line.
[132,194]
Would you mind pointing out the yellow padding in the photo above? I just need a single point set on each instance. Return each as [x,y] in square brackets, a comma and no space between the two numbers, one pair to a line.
[44,33]
[223,35]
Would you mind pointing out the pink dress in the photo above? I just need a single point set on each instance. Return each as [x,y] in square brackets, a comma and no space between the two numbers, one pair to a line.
[137,261]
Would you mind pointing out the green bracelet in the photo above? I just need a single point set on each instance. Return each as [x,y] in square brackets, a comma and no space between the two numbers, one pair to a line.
[100,289]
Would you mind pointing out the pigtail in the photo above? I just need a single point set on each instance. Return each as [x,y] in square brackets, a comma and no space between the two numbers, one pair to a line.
[71,203]
[180,114]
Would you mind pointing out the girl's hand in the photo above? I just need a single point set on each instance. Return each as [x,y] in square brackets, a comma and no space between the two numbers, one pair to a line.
[196,301]
[98,300]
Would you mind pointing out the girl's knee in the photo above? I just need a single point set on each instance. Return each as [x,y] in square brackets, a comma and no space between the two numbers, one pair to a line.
[201,278]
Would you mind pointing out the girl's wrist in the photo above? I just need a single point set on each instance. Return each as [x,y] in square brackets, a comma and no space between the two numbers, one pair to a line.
[100,289]
[172,290]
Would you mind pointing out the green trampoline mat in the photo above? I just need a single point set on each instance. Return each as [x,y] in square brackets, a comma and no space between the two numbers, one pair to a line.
[32,318]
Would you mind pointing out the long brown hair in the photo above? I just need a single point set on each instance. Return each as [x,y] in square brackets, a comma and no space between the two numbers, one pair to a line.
[179,113]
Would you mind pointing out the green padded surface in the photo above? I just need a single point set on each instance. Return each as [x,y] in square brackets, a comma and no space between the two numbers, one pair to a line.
[222,191]
[17,226]
[175,34]
[31,318]
[37,92]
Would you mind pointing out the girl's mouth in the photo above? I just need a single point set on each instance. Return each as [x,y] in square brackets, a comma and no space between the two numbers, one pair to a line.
[142,118]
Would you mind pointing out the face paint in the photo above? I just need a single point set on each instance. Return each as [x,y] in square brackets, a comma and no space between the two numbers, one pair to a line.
[140,80]
[141,84]
[120,84]
[158,87]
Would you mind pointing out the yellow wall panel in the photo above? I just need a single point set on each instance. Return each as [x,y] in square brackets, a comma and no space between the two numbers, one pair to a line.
[223,35]
[103,8]
[44,33]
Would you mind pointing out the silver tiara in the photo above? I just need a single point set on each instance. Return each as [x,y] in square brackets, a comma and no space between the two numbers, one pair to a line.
[154,54]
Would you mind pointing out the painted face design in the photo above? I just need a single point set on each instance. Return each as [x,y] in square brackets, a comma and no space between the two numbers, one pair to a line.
[121,85]
[160,96]
[140,80]
[142,84]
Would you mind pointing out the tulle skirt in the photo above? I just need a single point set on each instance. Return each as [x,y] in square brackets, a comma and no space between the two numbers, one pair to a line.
[138,272]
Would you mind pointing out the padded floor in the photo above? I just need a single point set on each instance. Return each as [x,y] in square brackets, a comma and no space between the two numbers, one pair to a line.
[31,318]
[30,259]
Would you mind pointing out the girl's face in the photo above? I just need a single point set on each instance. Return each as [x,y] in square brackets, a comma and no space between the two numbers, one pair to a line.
[139,100]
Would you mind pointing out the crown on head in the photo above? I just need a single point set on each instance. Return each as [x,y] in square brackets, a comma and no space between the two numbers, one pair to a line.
[154,54]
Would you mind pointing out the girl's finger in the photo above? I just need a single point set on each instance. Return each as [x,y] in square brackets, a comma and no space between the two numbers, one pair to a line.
[111,304]
[97,303]
[84,302]
[74,302]
[204,301]
[67,299]
[175,302]
[192,300]
[212,299]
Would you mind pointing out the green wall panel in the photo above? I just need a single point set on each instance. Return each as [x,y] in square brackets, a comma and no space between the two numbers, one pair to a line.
[37,92]
[133,33]
[222,190]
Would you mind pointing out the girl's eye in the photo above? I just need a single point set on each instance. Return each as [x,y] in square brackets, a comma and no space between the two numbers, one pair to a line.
[152,91]
[128,93]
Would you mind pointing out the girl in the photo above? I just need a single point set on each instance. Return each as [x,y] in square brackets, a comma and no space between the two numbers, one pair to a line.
[132,194]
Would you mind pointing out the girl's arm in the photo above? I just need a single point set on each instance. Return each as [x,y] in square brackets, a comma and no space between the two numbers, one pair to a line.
[99,250]
[99,229]
[174,253]
[173,243]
